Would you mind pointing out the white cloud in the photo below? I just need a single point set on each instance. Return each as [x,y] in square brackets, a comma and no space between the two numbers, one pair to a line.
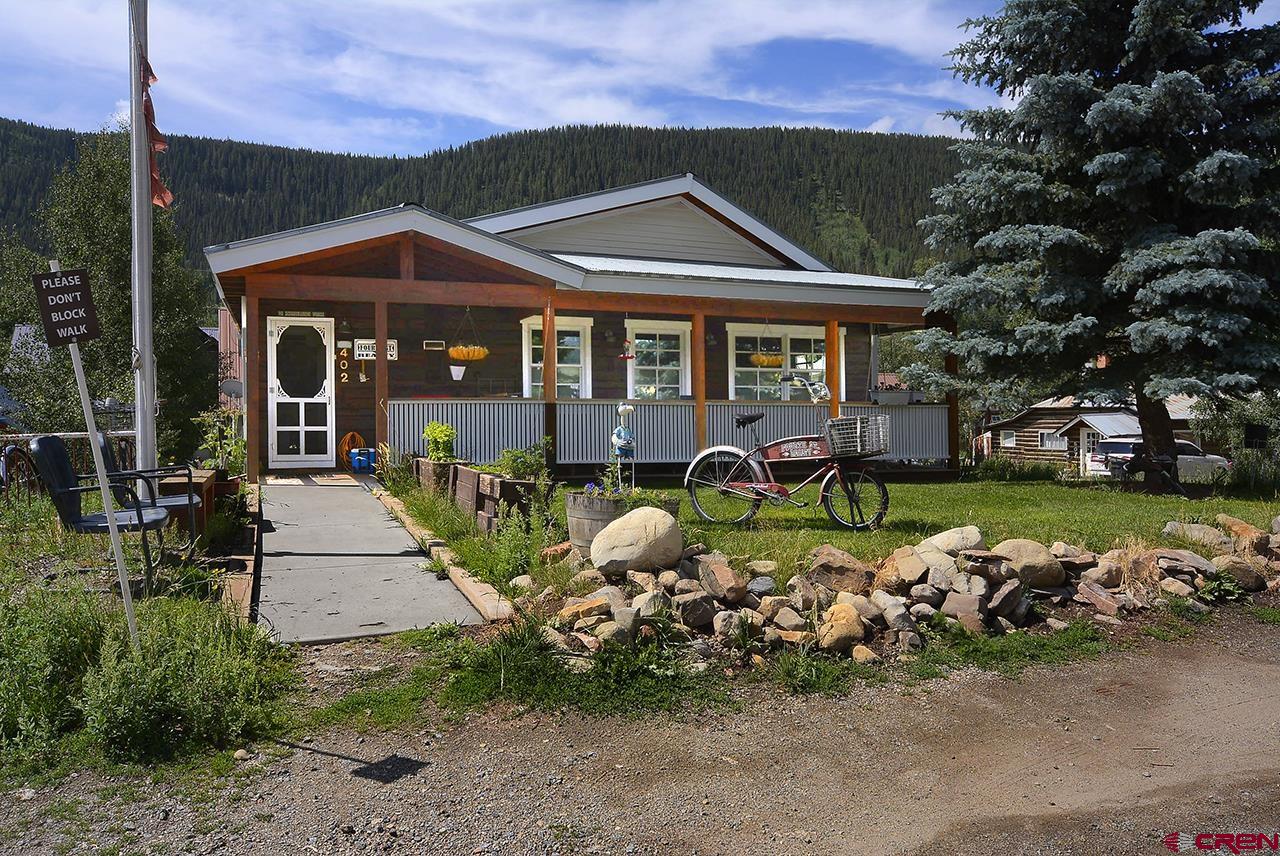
[884,123]
[383,75]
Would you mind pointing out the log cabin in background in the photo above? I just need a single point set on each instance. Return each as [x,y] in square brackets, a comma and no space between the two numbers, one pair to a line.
[663,293]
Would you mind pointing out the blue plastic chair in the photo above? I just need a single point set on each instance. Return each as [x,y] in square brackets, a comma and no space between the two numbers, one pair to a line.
[65,489]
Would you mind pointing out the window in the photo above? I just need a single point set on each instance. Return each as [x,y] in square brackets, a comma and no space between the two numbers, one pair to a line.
[1053,442]
[660,369]
[1009,439]
[759,354]
[573,357]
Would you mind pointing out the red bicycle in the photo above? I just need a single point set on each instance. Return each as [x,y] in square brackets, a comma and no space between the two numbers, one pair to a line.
[728,485]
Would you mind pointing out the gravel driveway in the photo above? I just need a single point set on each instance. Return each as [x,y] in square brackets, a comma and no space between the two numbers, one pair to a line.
[1101,757]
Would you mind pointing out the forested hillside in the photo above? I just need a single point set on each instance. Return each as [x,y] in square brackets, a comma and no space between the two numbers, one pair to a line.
[852,198]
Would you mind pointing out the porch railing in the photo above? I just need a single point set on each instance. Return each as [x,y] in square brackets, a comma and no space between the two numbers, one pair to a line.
[665,431]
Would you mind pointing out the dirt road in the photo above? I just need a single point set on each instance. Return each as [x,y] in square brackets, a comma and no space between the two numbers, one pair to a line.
[1102,757]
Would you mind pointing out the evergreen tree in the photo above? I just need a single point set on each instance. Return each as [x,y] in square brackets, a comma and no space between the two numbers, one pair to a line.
[1126,206]
[85,222]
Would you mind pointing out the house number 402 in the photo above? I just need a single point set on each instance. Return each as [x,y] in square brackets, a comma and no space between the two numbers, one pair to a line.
[344,355]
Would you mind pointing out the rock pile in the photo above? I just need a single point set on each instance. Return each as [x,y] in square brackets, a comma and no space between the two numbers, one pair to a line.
[641,571]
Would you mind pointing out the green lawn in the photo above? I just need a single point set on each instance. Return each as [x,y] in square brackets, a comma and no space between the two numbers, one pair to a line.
[1096,518]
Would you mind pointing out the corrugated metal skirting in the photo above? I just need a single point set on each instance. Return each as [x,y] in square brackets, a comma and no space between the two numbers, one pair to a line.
[485,426]
[664,431]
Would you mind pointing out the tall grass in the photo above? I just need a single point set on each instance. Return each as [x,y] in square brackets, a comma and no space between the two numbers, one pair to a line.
[203,677]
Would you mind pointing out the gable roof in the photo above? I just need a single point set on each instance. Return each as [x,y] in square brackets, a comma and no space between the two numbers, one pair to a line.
[408,217]
[1108,424]
[687,185]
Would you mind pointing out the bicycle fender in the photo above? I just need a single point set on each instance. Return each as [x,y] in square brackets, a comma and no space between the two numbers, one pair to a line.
[711,450]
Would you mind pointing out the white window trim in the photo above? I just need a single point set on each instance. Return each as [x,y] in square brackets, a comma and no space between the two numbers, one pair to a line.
[1012,437]
[734,329]
[563,322]
[682,328]
[1055,448]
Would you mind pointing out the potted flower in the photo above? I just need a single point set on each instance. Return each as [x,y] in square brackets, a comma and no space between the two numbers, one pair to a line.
[766,361]
[894,393]
[461,356]
[224,446]
[434,471]
[601,502]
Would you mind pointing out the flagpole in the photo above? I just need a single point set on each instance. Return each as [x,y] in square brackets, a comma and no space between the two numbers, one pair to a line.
[144,378]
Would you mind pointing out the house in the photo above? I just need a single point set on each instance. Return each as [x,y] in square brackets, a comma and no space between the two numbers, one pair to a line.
[1067,430]
[663,293]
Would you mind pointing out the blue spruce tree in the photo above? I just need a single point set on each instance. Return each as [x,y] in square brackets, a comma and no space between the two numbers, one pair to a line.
[1124,205]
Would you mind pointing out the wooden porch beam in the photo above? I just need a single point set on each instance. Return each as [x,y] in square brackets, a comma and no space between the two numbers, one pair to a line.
[698,372]
[380,373]
[365,289]
[570,299]
[831,358]
[252,389]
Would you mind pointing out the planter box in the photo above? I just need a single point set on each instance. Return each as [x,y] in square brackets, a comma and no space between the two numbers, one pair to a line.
[435,475]
[897,396]
[484,494]
[587,515]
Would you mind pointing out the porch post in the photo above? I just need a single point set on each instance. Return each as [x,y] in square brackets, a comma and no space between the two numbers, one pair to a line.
[252,387]
[380,383]
[549,374]
[698,378]
[831,357]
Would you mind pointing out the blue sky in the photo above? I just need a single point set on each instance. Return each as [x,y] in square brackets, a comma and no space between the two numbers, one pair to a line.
[410,76]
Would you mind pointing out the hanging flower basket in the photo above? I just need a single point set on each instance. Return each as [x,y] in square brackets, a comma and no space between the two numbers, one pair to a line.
[467,353]
[767,361]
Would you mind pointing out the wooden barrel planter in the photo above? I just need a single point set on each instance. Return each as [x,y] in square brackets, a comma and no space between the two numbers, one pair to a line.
[587,515]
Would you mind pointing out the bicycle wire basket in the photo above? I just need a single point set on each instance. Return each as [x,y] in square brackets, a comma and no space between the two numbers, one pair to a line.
[858,436]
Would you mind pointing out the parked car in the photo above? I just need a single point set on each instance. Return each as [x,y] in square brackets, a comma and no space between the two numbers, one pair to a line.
[1194,464]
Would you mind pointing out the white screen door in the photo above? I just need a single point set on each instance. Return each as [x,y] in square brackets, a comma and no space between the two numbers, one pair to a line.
[300,392]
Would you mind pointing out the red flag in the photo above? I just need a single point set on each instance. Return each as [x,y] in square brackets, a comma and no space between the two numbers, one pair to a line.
[160,194]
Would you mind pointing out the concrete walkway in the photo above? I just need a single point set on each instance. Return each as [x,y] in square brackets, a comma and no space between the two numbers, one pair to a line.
[336,565]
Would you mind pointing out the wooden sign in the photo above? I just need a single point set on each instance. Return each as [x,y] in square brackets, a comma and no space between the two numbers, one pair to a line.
[66,306]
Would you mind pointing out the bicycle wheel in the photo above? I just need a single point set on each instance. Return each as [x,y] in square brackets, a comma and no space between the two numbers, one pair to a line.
[860,503]
[19,476]
[713,500]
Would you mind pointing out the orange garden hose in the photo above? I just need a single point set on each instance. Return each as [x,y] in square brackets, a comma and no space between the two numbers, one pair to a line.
[350,440]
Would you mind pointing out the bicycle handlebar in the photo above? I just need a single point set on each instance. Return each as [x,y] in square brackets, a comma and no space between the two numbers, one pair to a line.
[817,390]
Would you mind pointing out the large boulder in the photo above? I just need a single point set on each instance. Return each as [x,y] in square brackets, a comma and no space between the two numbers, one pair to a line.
[646,539]
[837,570]
[1032,562]
[953,541]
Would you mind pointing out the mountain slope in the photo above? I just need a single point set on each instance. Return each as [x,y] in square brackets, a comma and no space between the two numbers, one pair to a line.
[798,180]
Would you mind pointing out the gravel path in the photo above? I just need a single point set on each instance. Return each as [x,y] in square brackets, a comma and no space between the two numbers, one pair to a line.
[1101,757]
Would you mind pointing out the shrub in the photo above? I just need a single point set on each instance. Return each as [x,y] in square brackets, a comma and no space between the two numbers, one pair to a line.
[48,641]
[528,464]
[394,469]
[203,677]
[440,437]
[1006,469]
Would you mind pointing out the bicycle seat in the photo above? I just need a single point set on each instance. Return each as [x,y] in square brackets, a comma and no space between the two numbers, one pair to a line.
[746,419]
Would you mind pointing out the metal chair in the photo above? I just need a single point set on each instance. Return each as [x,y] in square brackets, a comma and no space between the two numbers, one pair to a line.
[53,462]
[151,477]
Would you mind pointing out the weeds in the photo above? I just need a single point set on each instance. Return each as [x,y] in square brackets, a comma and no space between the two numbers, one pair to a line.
[1223,589]
[1267,614]
[1009,655]
[800,671]
[1181,608]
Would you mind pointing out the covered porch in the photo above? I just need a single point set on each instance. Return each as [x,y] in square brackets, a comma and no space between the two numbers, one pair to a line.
[350,333]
